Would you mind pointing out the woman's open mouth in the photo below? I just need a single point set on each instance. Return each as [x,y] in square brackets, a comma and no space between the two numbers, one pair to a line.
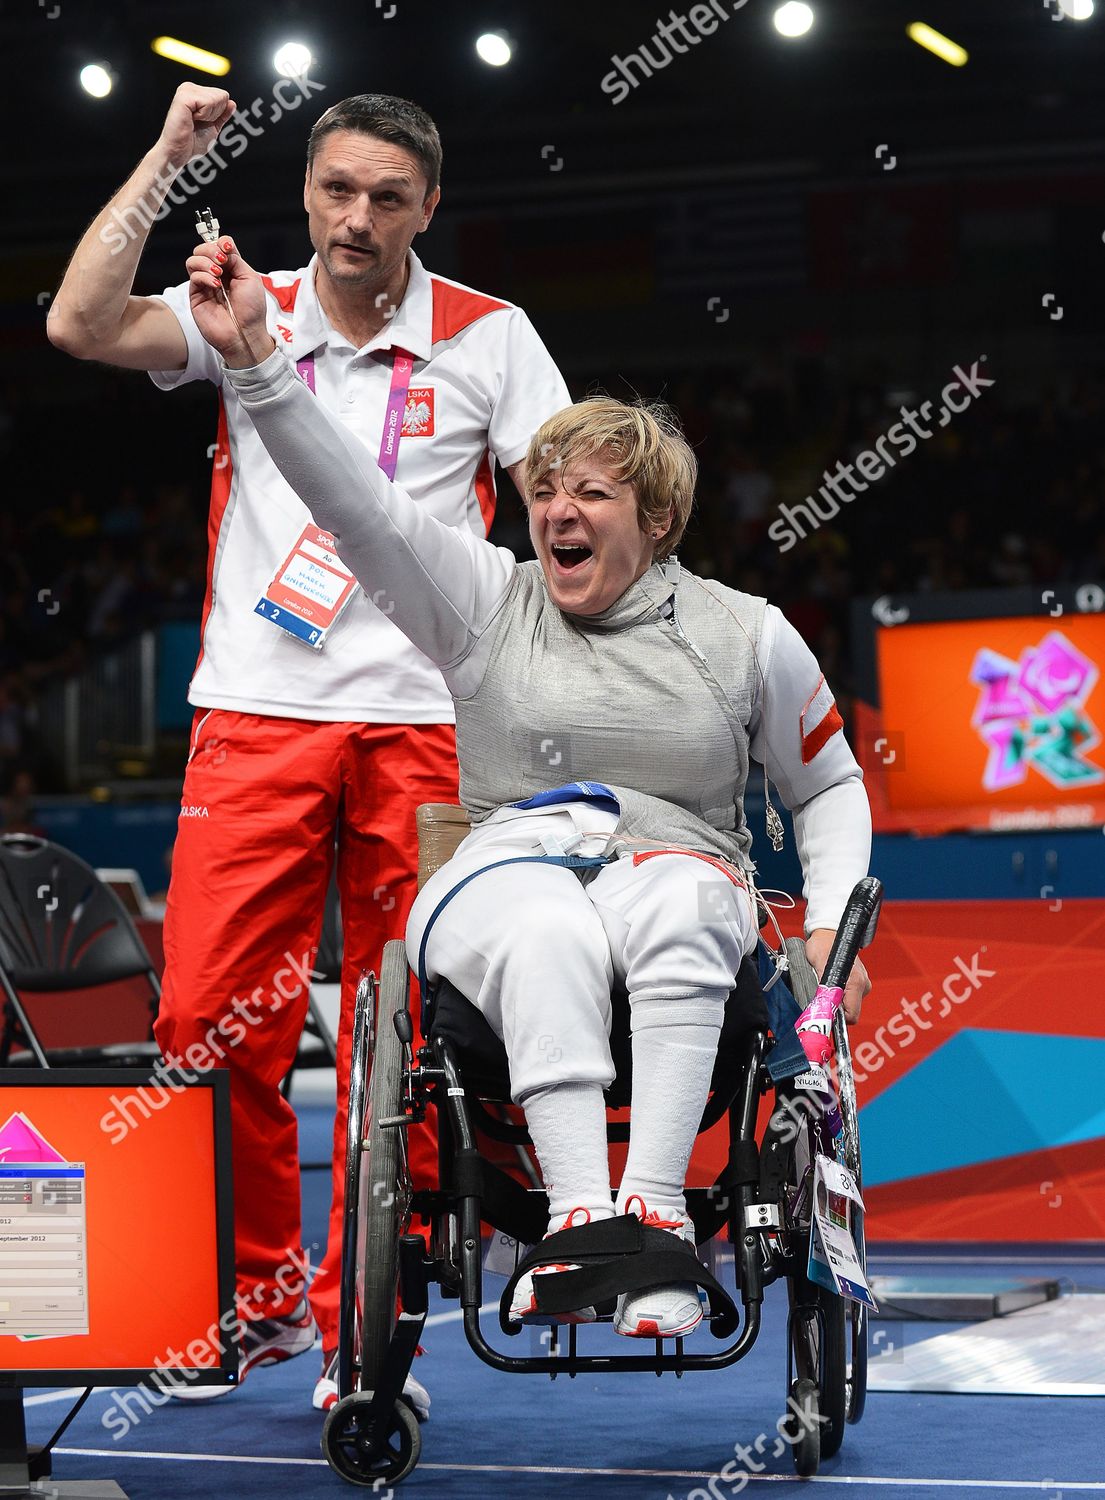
[569,558]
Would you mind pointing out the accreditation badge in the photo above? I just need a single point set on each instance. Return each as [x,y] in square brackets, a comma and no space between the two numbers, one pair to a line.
[310,590]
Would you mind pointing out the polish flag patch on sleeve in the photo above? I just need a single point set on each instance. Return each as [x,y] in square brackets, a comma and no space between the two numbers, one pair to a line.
[818,721]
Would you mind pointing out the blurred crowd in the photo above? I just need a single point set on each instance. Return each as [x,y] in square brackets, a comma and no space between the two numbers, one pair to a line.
[108,539]
[1003,495]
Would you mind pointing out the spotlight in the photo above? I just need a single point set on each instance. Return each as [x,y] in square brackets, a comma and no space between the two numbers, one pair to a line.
[191,57]
[934,42]
[1077,10]
[494,48]
[292,60]
[96,80]
[793,19]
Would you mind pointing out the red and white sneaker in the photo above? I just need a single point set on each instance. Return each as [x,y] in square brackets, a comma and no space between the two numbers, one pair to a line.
[415,1393]
[264,1341]
[523,1306]
[661,1312]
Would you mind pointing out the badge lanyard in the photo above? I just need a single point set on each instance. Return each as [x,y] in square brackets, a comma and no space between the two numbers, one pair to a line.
[402,364]
[312,586]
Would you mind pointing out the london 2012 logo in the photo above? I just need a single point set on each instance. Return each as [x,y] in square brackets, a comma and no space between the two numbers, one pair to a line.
[1031,715]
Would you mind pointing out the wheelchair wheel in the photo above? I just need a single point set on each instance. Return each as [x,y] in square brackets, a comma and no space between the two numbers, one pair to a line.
[857,1365]
[819,1354]
[832,1380]
[376,1171]
[802,1427]
[351,1452]
[856,1353]
[803,983]
[817,1403]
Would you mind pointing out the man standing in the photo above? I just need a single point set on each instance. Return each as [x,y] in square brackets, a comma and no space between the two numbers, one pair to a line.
[314,715]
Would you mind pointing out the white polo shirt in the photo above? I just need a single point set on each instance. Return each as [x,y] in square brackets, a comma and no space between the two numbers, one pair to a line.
[481,385]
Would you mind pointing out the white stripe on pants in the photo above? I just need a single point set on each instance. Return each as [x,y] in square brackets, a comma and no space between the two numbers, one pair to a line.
[536,951]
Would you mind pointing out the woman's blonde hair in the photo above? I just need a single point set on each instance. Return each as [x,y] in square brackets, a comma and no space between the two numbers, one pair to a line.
[645,441]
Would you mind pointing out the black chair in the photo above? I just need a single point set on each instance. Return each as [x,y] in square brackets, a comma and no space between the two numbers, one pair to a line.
[62,929]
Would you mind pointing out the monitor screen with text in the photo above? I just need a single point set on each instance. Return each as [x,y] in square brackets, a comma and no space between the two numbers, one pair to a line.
[116,1237]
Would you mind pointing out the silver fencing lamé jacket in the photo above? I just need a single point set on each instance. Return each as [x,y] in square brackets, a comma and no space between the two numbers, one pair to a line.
[652,697]
[663,697]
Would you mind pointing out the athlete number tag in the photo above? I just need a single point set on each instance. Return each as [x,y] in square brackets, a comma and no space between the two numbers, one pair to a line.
[834,1259]
[311,589]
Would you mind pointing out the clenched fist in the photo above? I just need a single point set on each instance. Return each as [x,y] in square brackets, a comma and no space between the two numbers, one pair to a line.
[195,117]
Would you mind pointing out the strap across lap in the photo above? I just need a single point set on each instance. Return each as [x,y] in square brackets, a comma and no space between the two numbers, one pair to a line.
[614,1256]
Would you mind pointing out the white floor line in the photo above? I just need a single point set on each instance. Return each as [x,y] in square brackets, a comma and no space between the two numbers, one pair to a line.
[121,1454]
[47,1396]
[455,1314]
[975,1484]
[988,1260]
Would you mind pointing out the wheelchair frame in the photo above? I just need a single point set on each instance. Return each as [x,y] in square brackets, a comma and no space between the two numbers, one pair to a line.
[763,1195]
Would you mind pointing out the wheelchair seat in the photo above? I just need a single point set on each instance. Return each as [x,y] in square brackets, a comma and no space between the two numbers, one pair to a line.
[483,1057]
[441,828]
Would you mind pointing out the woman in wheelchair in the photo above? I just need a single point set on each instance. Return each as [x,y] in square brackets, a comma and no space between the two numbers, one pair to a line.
[608,706]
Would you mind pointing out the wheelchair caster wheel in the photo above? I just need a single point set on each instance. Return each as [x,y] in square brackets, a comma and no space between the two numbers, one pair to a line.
[802,1427]
[370,1459]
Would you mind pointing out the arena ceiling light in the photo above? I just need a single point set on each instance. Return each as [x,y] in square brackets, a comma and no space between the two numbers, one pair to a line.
[494,48]
[96,80]
[933,41]
[793,19]
[191,57]
[292,59]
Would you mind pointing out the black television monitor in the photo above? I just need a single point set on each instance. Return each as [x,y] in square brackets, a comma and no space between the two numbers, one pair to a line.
[982,710]
[116,1235]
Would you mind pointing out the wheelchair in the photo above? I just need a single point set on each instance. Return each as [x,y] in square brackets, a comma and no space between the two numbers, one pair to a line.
[763,1197]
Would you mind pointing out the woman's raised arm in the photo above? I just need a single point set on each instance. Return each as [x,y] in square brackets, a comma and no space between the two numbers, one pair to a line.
[441,586]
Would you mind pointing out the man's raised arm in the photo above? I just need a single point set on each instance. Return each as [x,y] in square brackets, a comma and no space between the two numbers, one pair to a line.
[93,314]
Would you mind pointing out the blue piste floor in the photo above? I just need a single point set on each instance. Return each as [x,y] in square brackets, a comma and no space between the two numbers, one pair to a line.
[612,1438]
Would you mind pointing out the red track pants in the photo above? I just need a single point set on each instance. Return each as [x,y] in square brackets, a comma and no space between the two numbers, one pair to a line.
[263,799]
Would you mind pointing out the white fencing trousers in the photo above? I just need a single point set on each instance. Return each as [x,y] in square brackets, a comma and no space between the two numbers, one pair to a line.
[536,951]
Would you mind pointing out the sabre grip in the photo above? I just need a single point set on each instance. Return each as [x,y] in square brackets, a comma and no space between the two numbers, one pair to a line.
[814,1026]
[857,928]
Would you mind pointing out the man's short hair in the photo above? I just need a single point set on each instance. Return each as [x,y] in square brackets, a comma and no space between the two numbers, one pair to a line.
[383,115]
[646,444]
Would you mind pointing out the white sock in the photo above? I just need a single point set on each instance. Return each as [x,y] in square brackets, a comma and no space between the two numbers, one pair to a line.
[567,1123]
[675,1041]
